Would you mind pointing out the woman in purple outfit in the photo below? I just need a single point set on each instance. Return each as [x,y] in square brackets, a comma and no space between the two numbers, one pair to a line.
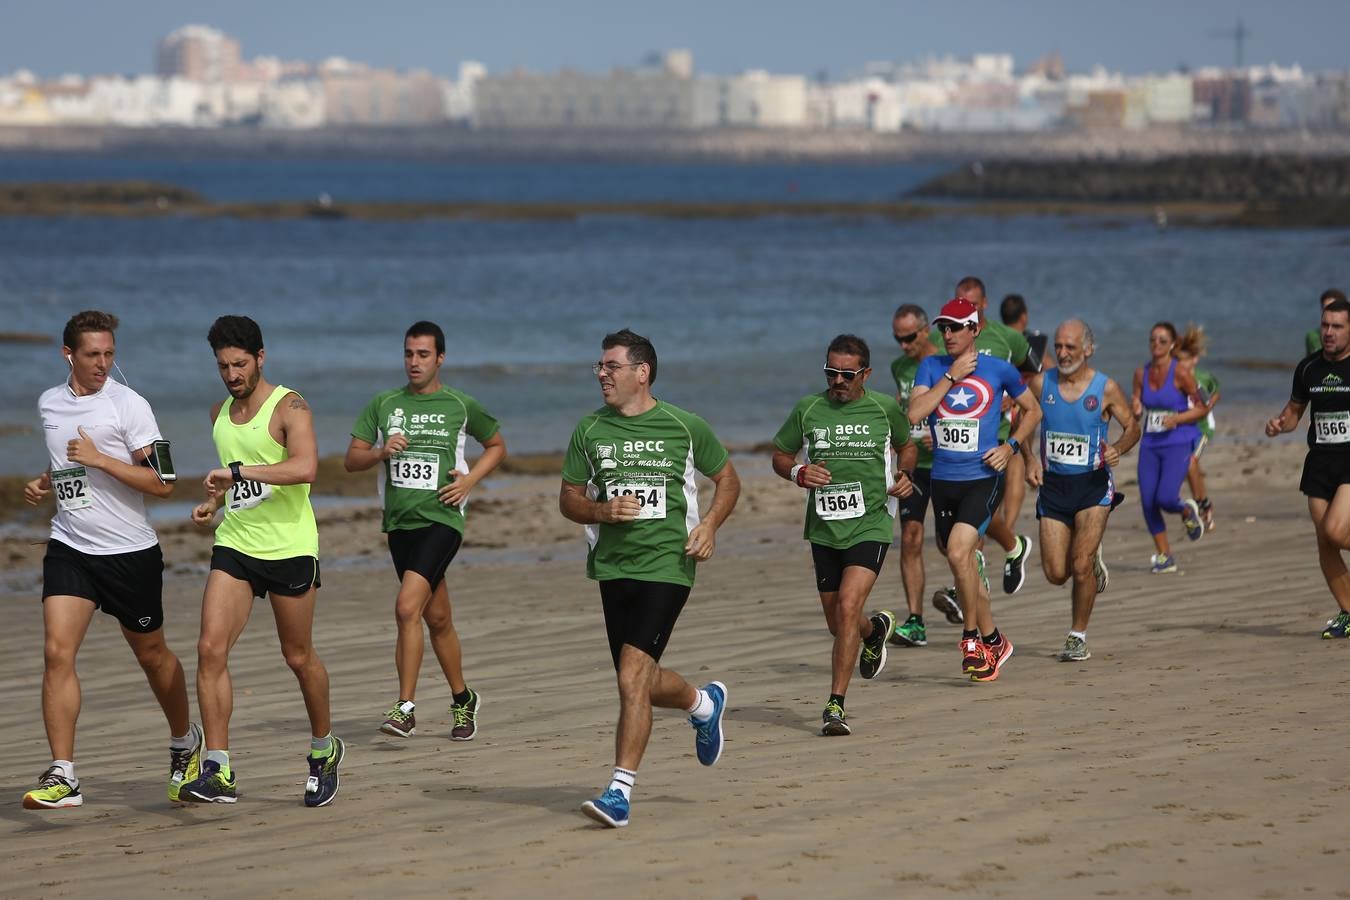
[1162,400]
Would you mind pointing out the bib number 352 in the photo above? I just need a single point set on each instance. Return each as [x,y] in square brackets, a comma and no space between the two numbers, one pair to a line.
[71,487]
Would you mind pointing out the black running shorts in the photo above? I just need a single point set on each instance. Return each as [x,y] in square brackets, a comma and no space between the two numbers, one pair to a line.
[1323,473]
[915,507]
[127,586]
[830,563]
[291,577]
[971,502]
[641,614]
[1062,497]
[426,551]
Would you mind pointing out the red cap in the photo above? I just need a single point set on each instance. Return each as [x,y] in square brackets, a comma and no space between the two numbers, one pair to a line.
[959,312]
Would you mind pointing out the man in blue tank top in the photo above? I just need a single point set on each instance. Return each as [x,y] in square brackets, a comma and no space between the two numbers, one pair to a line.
[1074,471]
[959,396]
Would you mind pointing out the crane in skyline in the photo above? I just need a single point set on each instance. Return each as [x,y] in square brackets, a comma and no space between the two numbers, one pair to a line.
[1238,35]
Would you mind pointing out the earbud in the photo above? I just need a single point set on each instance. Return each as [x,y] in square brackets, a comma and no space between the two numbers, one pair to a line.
[70,362]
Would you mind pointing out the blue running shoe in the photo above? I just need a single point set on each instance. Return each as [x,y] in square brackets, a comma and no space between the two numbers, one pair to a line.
[322,785]
[1190,517]
[1163,564]
[211,786]
[610,808]
[708,735]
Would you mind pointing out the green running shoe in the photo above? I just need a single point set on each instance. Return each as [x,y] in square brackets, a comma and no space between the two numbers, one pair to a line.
[322,784]
[832,720]
[911,633]
[1338,627]
[185,765]
[872,659]
[53,792]
[1075,649]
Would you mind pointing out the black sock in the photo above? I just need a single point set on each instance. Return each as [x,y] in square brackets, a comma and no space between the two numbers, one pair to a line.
[966,635]
[837,698]
[993,638]
[462,698]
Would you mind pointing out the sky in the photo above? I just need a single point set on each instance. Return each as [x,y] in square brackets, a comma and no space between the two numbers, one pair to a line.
[52,37]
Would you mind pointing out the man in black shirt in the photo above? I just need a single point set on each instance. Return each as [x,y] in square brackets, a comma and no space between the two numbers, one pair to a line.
[1322,380]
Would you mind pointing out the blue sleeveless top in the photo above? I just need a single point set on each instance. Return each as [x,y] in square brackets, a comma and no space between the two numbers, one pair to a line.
[1072,433]
[1167,400]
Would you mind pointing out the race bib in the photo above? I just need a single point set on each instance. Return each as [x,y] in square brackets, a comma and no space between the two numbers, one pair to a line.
[962,435]
[415,471]
[650,491]
[247,494]
[1153,420]
[840,501]
[1066,449]
[72,488]
[1329,428]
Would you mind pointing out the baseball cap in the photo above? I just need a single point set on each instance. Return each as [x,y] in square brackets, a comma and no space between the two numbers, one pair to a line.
[959,312]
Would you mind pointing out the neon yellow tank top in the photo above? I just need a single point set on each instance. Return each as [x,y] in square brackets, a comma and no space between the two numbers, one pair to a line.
[265,521]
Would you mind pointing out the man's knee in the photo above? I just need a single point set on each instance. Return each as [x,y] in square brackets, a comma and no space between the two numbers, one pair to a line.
[637,672]
[58,655]
[298,658]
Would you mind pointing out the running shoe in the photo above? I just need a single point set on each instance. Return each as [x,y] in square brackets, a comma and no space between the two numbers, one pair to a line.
[466,717]
[998,654]
[1163,563]
[1014,566]
[322,784]
[1338,627]
[1099,571]
[708,735]
[54,792]
[872,659]
[211,786]
[832,720]
[1075,649]
[975,657]
[979,564]
[185,765]
[400,720]
[1190,517]
[1207,513]
[610,808]
[911,633]
[944,601]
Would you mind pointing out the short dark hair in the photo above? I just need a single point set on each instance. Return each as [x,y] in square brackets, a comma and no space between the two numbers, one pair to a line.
[970,281]
[427,329]
[640,350]
[1331,294]
[1340,305]
[235,331]
[91,320]
[911,309]
[851,345]
[1013,307]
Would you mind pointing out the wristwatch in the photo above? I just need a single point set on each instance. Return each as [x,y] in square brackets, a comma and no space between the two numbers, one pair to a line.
[234,472]
[1015,444]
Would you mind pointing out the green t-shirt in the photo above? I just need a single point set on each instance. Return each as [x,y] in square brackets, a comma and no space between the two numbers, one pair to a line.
[654,456]
[1312,342]
[436,426]
[1001,342]
[1210,385]
[903,370]
[854,441]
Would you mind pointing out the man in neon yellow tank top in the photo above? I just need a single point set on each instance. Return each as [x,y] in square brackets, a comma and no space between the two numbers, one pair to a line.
[267,544]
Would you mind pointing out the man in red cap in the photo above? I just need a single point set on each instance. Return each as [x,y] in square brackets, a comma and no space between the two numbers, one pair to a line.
[959,395]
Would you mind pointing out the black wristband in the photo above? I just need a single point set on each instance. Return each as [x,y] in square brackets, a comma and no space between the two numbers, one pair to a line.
[234,471]
[1015,444]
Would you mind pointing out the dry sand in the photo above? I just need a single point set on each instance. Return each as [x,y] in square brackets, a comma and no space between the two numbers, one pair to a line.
[1200,752]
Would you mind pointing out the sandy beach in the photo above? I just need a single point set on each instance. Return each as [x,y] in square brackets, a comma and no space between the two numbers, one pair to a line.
[1199,752]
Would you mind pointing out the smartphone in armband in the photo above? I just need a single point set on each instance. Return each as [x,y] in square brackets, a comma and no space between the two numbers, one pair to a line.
[1202,394]
[162,462]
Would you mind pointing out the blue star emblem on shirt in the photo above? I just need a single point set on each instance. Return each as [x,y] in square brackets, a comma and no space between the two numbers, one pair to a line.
[961,397]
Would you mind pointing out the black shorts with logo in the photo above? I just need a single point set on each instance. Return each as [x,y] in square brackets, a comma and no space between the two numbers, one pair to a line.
[1062,497]
[914,508]
[127,586]
[427,551]
[971,502]
[290,577]
[830,563]
[1323,473]
[641,614]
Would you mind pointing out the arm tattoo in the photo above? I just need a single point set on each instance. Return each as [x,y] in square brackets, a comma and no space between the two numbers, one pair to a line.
[297,402]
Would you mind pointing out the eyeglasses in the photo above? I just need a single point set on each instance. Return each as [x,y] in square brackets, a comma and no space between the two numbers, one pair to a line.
[903,339]
[611,368]
[949,327]
[847,374]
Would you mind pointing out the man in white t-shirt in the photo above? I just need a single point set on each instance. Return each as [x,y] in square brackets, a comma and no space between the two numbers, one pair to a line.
[103,554]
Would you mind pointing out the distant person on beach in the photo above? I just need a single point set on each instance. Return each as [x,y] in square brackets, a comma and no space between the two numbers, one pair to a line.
[103,553]
[1014,313]
[850,438]
[628,476]
[266,545]
[910,328]
[1190,347]
[1166,400]
[1073,472]
[959,396]
[417,434]
[1312,341]
[1322,381]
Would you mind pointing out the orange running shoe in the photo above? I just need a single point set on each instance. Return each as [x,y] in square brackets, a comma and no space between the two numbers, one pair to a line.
[975,657]
[998,655]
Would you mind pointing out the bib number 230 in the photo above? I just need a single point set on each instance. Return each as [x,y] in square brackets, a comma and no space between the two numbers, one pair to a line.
[247,494]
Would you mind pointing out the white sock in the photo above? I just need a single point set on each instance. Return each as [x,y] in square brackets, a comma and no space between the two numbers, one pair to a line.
[186,741]
[623,782]
[703,706]
[67,769]
[1081,635]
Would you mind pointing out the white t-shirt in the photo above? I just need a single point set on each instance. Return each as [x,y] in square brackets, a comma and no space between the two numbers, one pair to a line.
[96,513]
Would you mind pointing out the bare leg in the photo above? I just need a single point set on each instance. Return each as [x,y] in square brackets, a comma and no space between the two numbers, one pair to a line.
[998,530]
[847,623]
[911,565]
[65,621]
[1055,539]
[295,628]
[1329,544]
[444,638]
[1088,527]
[414,594]
[1014,491]
[642,684]
[165,674]
[226,605]
[970,592]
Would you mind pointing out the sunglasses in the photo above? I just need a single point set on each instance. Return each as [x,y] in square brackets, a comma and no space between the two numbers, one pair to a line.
[949,327]
[903,339]
[847,374]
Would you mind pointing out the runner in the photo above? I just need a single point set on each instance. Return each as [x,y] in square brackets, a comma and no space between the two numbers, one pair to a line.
[1074,472]
[1312,341]
[910,327]
[847,434]
[103,554]
[1322,380]
[628,476]
[418,431]
[1168,406]
[267,544]
[1190,347]
[1014,313]
[968,466]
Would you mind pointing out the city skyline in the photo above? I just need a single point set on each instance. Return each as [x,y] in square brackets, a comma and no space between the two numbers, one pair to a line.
[786,36]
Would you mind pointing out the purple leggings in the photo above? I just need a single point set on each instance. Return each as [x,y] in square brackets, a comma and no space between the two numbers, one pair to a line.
[1161,472]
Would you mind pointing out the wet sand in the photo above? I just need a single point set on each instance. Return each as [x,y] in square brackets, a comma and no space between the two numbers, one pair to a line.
[1199,752]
